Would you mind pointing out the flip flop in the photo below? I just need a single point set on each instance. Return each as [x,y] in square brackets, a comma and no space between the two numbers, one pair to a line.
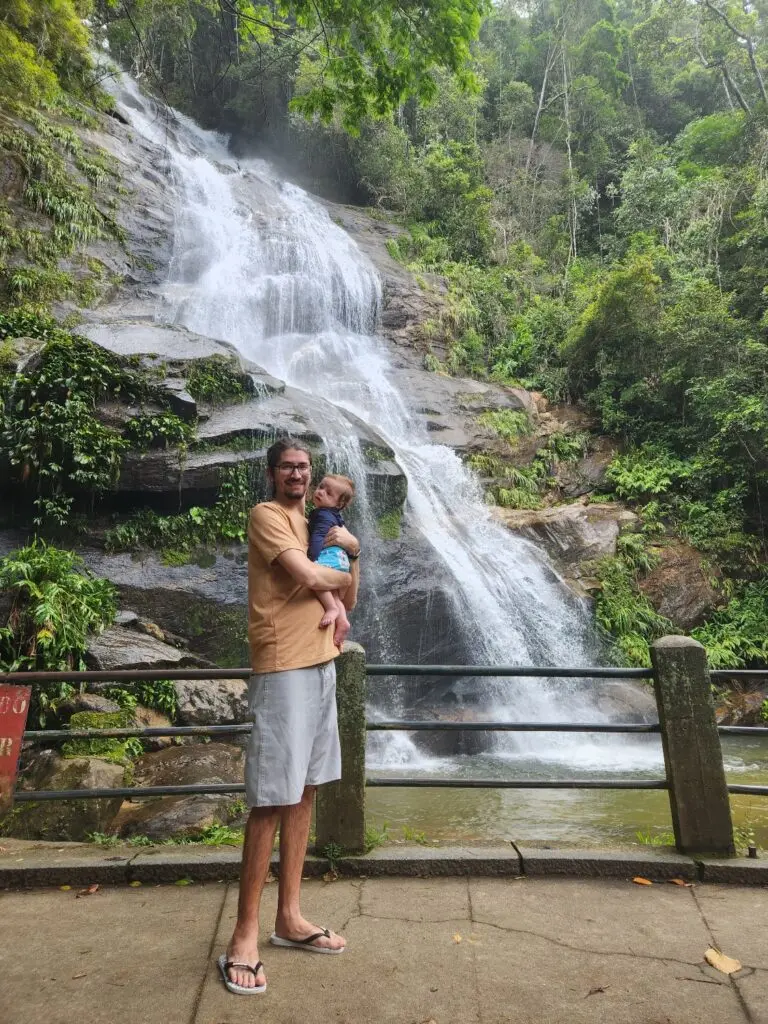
[240,990]
[306,944]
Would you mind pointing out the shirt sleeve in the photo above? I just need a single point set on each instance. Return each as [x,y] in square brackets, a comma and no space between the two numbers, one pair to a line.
[271,533]
[320,522]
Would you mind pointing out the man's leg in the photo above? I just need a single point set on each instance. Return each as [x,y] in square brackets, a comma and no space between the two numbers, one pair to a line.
[244,945]
[294,834]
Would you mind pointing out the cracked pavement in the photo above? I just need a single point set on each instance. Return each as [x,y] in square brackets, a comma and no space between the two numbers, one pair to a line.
[421,951]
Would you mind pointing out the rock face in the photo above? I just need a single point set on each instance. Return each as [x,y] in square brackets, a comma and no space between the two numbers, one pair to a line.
[573,535]
[588,474]
[211,701]
[740,707]
[679,587]
[71,819]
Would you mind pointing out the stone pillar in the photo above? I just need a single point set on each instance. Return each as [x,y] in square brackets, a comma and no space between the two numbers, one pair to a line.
[340,817]
[698,794]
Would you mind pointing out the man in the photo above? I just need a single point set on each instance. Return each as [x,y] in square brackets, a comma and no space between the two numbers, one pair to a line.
[294,745]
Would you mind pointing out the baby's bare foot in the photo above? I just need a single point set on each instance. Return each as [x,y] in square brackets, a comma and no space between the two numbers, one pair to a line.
[341,632]
[329,618]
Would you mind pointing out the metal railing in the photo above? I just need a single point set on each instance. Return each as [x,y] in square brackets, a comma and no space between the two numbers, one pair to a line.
[657,675]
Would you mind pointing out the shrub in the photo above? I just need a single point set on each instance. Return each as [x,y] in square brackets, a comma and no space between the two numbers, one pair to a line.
[57,606]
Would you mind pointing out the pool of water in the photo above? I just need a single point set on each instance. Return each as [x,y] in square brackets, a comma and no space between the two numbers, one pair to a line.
[562,817]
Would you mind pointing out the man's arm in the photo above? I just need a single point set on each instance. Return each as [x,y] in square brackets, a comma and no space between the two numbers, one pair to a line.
[310,574]
[341,536]
[349,596]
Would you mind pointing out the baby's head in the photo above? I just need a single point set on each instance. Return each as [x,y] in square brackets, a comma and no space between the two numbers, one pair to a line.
[334,492]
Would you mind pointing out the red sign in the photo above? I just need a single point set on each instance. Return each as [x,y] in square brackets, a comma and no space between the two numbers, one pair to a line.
[14,706]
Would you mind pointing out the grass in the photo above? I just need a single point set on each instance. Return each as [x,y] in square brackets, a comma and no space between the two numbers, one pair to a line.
[212,835]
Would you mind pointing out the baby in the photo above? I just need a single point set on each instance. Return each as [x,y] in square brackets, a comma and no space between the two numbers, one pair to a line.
[332,494]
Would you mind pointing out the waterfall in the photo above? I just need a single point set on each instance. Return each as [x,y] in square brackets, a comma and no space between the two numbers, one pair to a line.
[260,264]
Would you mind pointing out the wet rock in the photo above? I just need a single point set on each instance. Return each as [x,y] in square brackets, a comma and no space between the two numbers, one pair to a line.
[211,701]
[679,587]
[121,648]
[179,399]
[66,820]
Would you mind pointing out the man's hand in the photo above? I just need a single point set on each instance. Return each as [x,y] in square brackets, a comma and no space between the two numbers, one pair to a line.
[339,536]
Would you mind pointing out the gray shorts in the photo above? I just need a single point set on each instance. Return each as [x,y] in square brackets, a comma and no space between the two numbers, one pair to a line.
[295,737]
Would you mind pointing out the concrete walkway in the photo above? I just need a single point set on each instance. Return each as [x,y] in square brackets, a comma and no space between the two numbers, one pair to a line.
[421,951]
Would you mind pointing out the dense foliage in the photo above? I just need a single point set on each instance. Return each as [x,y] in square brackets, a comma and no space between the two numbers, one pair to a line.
[52,445]
[56,604]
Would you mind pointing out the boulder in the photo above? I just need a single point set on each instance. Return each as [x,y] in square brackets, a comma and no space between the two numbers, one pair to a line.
[589,473]
[679,587]
[191,764]
[65,820]
[179,399]
[121,648]
[172,816]
[182,766]
[211,701]
[149,718]
[740,707]
[572,534]
[92,702]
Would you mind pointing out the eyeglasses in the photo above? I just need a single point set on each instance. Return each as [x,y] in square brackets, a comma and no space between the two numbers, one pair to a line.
[298,467]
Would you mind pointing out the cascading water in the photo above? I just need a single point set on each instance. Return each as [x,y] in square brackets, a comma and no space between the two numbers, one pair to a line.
[260,264]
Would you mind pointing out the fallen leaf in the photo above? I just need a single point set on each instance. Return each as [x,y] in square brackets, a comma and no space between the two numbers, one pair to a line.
[457,937]
[65,888]
[598,988]
[721,962]
[88,892]
[680,881]
[183,881]
[134,884]
[639,880]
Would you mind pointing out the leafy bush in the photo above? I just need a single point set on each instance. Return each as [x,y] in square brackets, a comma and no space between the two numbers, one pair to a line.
[215,379]
[57,605]
[622,609]
[737,635]
[157,430]
[160,695]
[508,424]
[647,471]
[57,449]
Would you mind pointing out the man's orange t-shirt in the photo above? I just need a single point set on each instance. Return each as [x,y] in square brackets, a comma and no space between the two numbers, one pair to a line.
[283,616]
